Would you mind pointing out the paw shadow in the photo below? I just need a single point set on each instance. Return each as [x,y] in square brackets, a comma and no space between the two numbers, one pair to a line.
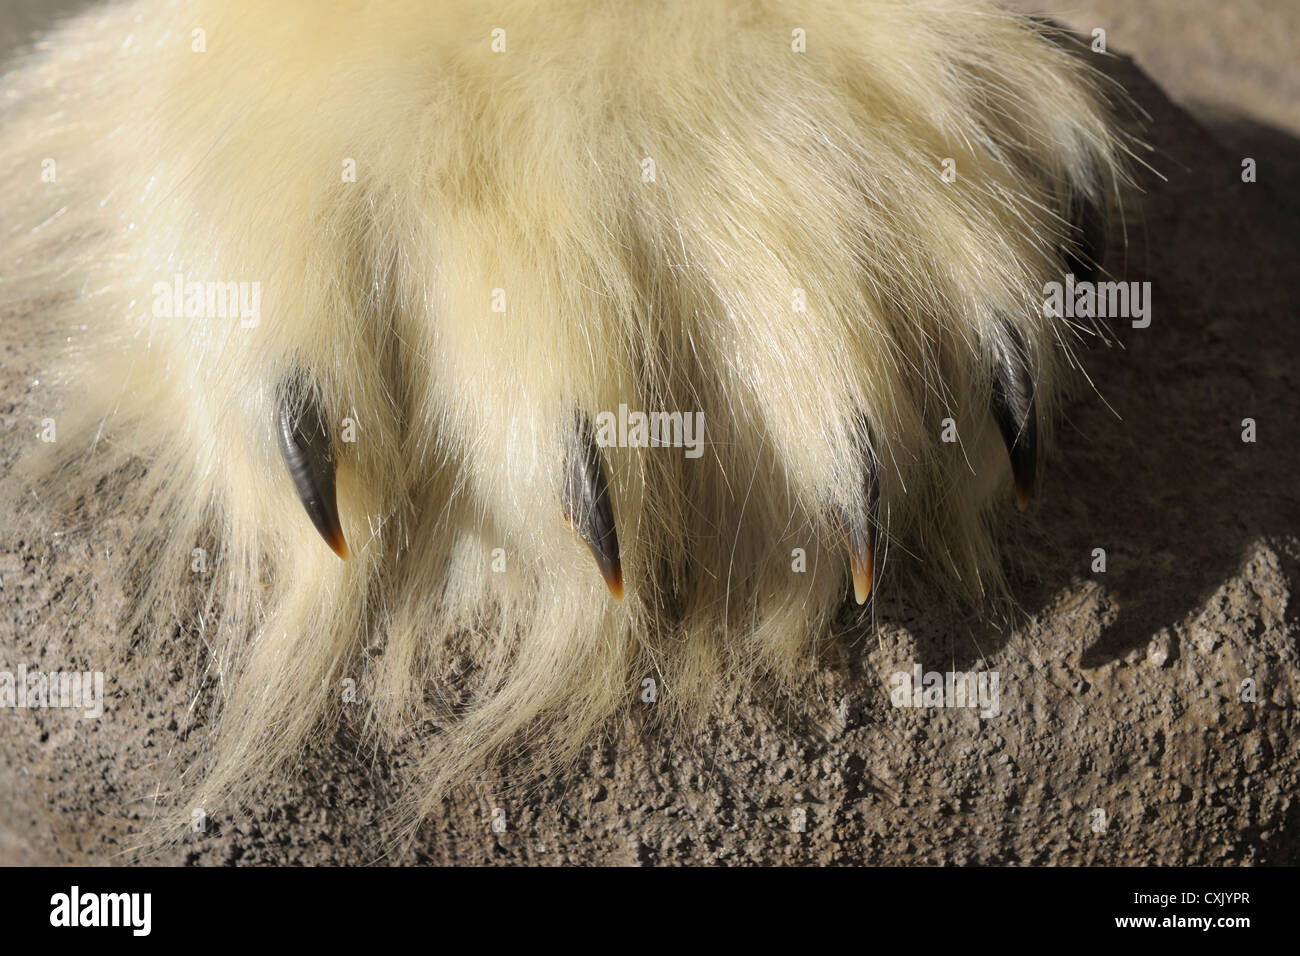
[1150,463]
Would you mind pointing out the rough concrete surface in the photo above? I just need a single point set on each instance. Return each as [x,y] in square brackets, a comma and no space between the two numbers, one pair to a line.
[1122,737]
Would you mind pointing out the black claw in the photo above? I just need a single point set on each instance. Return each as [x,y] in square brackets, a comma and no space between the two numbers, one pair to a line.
[1083,255]
[587,504]
[305,445]
[1013,408]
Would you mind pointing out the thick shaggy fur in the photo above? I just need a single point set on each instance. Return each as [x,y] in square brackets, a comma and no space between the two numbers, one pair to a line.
[520,176]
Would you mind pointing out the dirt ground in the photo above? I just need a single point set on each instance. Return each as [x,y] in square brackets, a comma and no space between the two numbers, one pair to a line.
[1123,736]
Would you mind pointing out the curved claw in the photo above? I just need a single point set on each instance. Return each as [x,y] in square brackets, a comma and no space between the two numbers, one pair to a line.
[588,506]
[305,444]
[1013,408]
[859,525]
[861,536]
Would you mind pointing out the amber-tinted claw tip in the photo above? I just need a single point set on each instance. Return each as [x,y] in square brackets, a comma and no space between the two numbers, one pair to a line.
[1024,495]
[859,526]
[614,581]
[337,543]
[861,539]
[610,567]
[862,577]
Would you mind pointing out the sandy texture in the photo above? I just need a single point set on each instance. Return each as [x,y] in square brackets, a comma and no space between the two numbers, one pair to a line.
[1122,737]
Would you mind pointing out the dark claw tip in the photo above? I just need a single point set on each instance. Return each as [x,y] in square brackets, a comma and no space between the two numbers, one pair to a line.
[1014,411]
[588,504]
[305,444]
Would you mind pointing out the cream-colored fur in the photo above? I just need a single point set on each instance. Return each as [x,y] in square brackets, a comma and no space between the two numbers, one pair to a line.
[651,190]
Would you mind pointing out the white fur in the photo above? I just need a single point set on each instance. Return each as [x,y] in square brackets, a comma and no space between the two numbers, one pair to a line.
[522,170]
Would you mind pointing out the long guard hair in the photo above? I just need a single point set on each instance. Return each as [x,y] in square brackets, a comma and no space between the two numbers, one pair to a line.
[343,302]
